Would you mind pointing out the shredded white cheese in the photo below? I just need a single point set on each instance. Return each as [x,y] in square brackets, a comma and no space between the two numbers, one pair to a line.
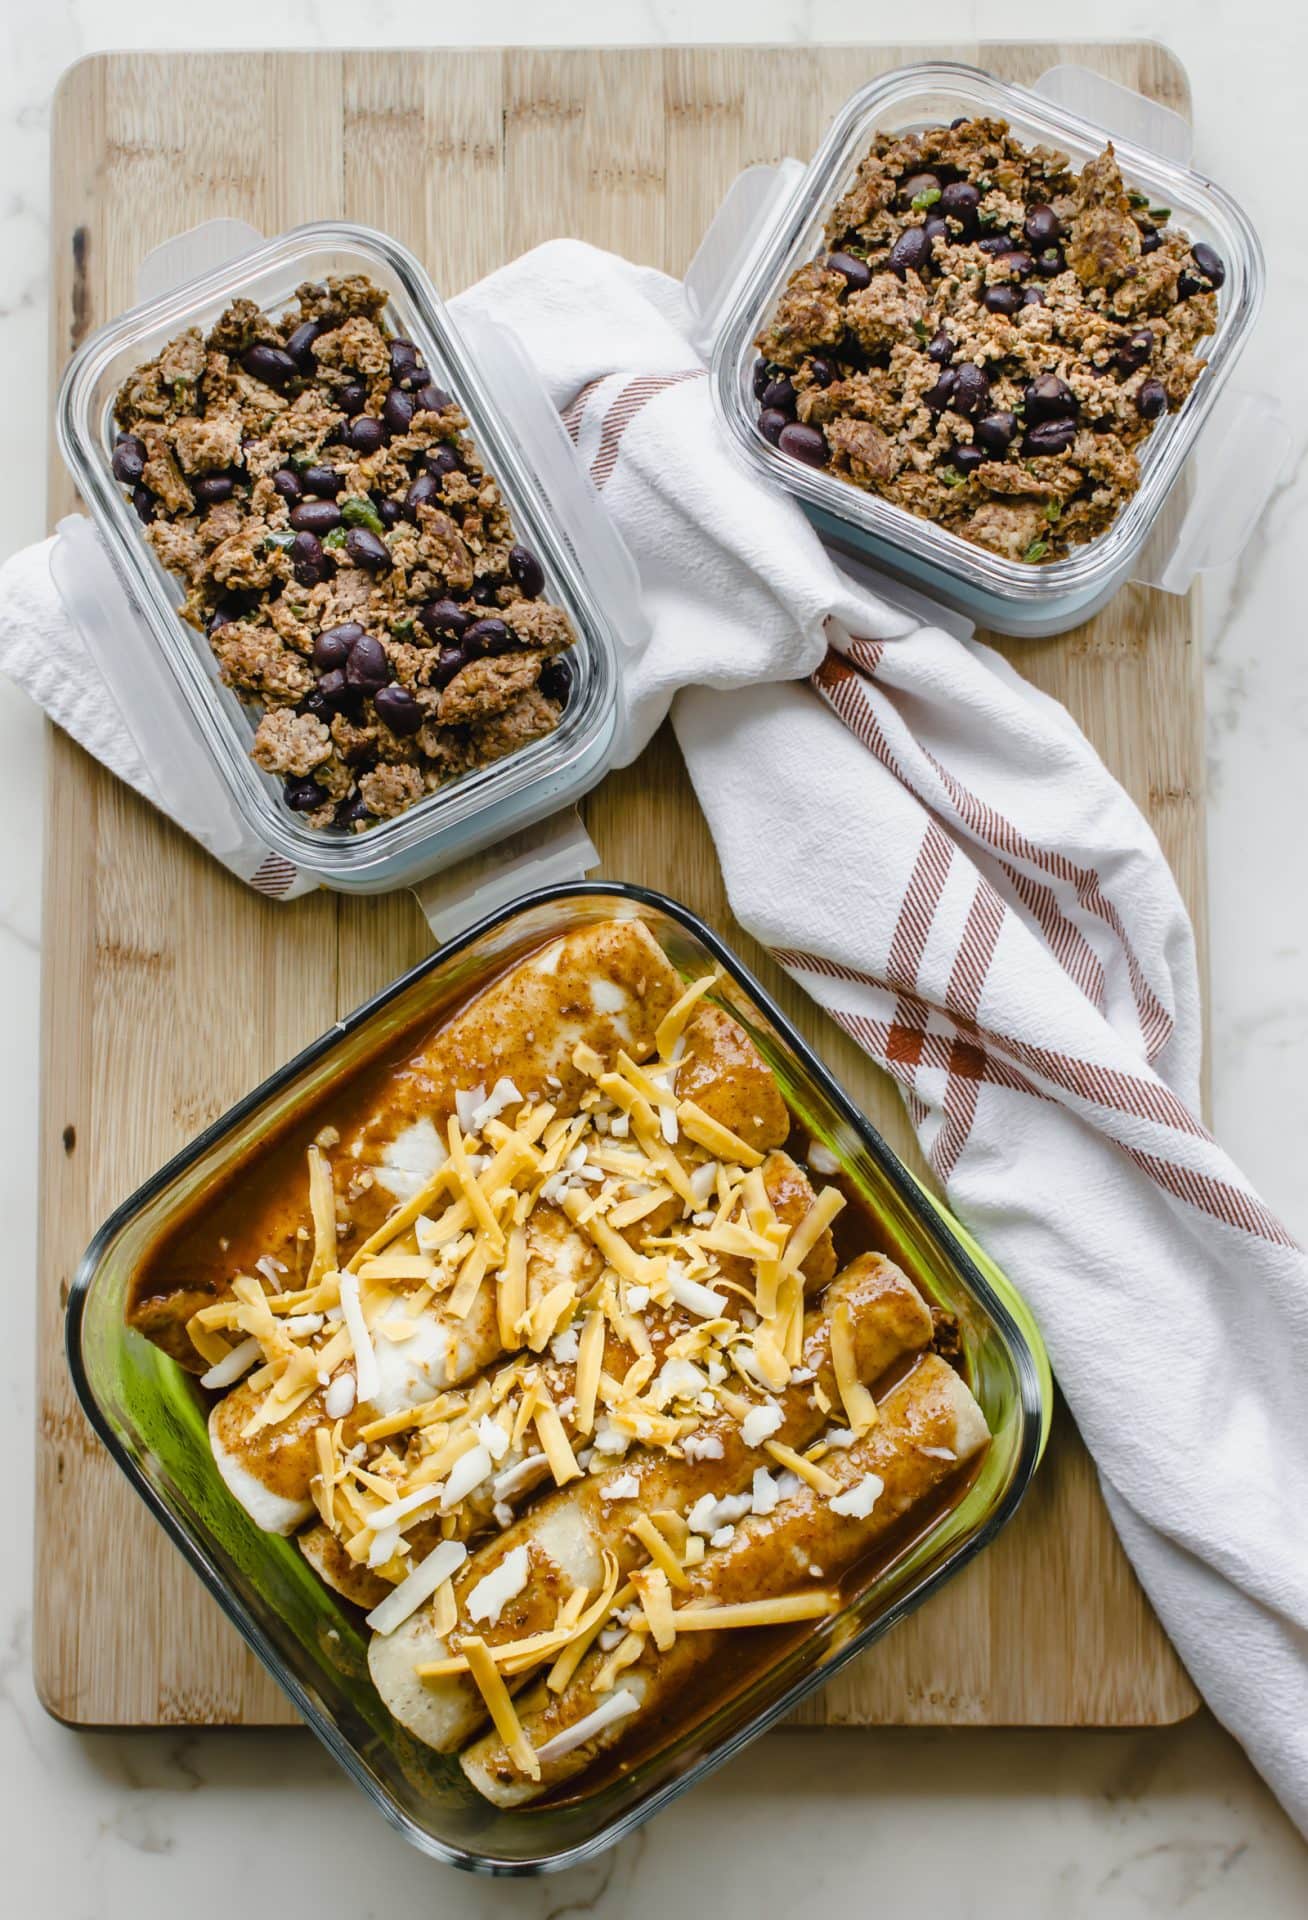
[232,1365]
[339,1398]
[468,1471]
[490,1596]
[759,1424]
[418,1587]
[516,1479]
[367,1379]
[702,1446]
[617,1706]
[623,1486]
[492,1437]
[821,1158]
[691,1295]
[857,1502]
[709,1513]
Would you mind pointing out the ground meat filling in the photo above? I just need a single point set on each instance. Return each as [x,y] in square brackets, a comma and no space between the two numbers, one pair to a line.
[987,337]
[349,557]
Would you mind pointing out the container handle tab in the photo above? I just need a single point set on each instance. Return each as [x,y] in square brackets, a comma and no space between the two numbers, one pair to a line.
[752,208]
[547,854]
[1129,116]
[187,255]
[177,772]
[1246,435]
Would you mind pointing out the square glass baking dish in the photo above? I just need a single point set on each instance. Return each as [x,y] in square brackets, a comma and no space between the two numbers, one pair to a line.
[150,1414]
[1004,595]
[553,508]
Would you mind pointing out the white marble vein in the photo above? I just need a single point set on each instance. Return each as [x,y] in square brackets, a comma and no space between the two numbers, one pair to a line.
[103,1827]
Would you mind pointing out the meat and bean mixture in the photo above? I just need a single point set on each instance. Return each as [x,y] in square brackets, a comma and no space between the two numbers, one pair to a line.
[988,337]
[348,555]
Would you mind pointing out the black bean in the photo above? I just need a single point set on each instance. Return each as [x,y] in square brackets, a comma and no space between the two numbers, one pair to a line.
[1150,239]
[430,398]
[1151,401]
[779,396]
[1032,297]
[772,423]
[488,636]
[939,396]
[804,443]
[302,796]
[1050,436]
[971,388]
[324,481]
[1042,226]
[335,689]
[996,243]
[145,504]
[960,122]
[856,273]
[352,810]
[366,434]
[220,617]
[443,616]
[940,349]
[526,572]
[1048,398]
[444,458]
[301,340]
[425,492]
[935,228]
[485,593]
[556,680]
[1017,262]
[367,550]
[352,398]
[308,561]
[1209,262]
[213,488]
[910,252]
[129,459]
[996,431]
[317,705]
[966,459]
[389,512]
[1132,351]
[1050,263]
[1188,284]
[821,371]
[270,365]
[761,375]
[449,661]
[406,368]
[332,646]
[398,709]
[1005,299]
[917,184]
[397,411]
[367,667]
[960,200]
[287,482]
[316,516]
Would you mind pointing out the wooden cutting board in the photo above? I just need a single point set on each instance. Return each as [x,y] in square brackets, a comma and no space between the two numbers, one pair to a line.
[170,989]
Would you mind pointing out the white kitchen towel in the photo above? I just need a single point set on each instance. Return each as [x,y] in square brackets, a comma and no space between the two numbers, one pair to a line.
[936,853]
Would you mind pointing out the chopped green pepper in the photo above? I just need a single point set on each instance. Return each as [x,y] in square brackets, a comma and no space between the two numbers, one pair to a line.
[1137,199]
[1037,550]
[927,198]
[282,540]
[358,511]
[1160,215]
[1054,511]
[334,540]
[951,477]
[402,627]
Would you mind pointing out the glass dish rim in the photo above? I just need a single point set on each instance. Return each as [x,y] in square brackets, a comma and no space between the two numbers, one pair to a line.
[471,798]
[1030,1369]
[1094,563]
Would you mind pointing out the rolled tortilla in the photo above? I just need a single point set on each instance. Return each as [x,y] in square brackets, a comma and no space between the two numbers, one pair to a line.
[723,1072]
[567,1532]
[605,986]
[930,1427]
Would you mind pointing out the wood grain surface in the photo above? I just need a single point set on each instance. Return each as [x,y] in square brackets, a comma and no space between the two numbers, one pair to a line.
[170,989]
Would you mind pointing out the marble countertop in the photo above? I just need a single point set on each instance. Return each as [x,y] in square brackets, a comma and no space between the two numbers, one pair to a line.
[100,1827]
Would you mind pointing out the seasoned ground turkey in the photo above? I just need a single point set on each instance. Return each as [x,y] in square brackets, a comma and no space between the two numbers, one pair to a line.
[987,337]
[347,554]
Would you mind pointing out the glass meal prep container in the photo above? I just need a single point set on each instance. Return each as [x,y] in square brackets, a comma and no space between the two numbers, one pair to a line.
[193,733]
[772,222]
[151,1414]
